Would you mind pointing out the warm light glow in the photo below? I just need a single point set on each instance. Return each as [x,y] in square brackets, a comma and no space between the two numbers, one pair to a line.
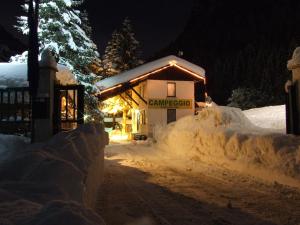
[114,105]
[118,137]
[85,116]
[112,88]
[172,63]
[190,72]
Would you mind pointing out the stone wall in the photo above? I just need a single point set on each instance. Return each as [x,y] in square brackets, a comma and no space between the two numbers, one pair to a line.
[57,180]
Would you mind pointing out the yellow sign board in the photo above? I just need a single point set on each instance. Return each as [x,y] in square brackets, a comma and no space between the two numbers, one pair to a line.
[171,103]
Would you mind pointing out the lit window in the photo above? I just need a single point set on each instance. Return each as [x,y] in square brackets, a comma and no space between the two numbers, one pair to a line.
[171,89]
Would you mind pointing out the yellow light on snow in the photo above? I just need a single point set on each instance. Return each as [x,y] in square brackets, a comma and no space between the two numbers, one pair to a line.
[118,137]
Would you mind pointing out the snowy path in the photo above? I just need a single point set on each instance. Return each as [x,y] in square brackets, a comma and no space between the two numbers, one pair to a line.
[142,189]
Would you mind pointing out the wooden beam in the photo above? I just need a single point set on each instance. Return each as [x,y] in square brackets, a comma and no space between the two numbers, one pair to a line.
[125,100]
[139,95]
[116,91]
[132,99]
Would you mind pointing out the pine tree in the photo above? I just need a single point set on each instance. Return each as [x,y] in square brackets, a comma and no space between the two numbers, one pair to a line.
[122,53]
[65,31]
[111,55]
[123,50]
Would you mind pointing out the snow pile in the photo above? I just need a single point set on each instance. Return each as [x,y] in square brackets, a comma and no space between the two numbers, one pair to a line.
[51,176]
[59,212]
[17,211]
[272,117]
[224,136]
[11,143]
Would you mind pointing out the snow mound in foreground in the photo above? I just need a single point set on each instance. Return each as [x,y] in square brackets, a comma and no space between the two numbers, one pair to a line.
[272,117]
[225,136]
[11,143]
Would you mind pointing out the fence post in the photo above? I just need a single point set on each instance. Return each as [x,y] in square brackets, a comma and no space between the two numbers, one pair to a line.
[80,106]
[293,90]
[45,97]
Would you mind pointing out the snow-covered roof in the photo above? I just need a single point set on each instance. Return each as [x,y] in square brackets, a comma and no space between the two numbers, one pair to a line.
[15,75]
[148,68]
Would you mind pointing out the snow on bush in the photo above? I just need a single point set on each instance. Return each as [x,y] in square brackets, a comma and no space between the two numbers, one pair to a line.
[224,136]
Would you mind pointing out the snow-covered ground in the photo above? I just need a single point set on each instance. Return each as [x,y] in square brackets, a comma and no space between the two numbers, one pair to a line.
[213,168]
[145,186]
[272,117]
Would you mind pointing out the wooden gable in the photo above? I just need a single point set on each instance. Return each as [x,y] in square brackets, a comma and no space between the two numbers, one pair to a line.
[172,73]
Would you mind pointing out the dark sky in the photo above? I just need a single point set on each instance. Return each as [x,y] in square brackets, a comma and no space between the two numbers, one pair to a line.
[156,22]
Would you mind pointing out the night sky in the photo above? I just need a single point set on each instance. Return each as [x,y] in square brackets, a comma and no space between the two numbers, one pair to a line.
[156,22]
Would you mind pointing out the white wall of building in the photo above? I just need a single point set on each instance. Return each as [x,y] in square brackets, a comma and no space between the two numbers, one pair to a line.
[158,89]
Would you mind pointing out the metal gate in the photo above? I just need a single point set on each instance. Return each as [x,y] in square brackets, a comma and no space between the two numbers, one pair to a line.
[68,107]
[15,110]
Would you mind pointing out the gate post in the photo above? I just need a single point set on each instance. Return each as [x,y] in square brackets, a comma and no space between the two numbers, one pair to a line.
[293,90]
[80,106]
[45,97]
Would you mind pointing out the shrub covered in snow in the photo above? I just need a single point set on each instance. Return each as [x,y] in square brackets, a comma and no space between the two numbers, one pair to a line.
[247,98]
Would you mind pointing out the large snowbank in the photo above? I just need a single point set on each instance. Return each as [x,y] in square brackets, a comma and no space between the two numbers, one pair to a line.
[224,135]
[10,143]
[51,176]
[271,117]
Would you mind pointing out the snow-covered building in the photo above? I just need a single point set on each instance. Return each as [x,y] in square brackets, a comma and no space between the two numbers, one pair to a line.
[159,92]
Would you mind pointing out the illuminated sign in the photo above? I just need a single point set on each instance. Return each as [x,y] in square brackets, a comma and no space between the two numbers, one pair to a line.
[171,103]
